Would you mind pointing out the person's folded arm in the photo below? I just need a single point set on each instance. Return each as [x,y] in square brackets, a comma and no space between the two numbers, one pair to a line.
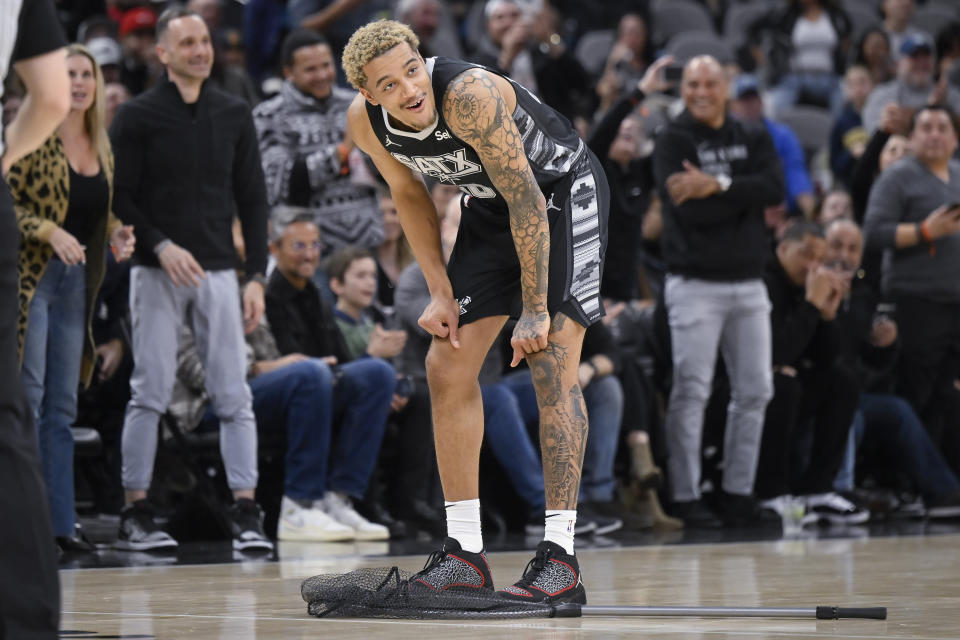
[762,185]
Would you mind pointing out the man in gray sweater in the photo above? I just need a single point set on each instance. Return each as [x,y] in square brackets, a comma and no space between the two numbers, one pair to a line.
[306,150]
[914,216]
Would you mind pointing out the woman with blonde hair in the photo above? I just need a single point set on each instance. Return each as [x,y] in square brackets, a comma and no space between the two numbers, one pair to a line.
[63,195]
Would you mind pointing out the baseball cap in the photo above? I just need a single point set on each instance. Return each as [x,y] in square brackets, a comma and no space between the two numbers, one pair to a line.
[916,42]
[105,51]
[746,84]
[137,19]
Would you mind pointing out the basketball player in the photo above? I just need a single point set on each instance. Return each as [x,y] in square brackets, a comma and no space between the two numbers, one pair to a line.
[29,592]
[530,245]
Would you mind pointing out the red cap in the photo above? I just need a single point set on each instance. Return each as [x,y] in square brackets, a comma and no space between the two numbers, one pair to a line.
[137,20]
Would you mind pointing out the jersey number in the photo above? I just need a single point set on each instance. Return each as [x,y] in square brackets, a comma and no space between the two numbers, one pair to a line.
[477,190]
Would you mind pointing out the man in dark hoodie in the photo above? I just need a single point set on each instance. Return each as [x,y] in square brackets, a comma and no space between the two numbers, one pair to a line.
[715,176]
[814,392]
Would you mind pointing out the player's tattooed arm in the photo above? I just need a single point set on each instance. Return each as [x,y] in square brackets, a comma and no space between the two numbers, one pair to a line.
[477,113]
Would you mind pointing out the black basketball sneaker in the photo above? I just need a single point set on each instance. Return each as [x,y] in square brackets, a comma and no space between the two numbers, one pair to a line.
[452,568]
[553,577]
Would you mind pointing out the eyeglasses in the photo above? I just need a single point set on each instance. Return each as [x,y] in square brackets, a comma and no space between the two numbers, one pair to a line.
[303,247]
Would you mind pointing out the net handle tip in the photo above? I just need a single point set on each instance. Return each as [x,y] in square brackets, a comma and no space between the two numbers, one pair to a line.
[838,613]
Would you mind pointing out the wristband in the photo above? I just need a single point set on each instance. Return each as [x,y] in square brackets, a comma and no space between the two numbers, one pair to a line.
[258,278]
[928,237]
[160,246]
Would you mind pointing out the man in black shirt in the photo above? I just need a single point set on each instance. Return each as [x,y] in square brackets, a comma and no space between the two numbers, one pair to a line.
[715,176]
[811,387]
[186,153]
[360,390]
[29,592]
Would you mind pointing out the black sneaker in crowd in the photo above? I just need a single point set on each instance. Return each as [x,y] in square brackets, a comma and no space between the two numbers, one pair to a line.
[553,576]
[745,511]
[453,568]
[836,509]
[139,530]
[246,526]
[944,506]
[586,526]
[603,514]
[695,515]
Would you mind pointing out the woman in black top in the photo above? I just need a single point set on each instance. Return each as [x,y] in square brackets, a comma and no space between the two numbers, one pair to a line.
[63,196]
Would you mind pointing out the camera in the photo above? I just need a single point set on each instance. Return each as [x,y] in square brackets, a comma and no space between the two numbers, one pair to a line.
[673,73]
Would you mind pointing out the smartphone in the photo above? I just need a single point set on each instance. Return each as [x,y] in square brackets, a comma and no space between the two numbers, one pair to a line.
[673,73]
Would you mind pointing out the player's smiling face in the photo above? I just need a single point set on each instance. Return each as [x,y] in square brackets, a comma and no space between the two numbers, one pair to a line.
[398,80]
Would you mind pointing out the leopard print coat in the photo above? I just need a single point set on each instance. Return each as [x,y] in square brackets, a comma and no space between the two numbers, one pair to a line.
[40,184]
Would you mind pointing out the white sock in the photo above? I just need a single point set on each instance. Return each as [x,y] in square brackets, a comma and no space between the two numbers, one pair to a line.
[559,527]
[463,524]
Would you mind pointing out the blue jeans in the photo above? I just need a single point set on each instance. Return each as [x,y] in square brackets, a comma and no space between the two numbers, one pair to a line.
[302,400]
[826,86]
[506,433]
[604,400]
[891,421]
[52,356]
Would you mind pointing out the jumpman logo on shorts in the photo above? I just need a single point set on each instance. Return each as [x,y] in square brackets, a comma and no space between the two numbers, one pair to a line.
[387,142]
[550,204]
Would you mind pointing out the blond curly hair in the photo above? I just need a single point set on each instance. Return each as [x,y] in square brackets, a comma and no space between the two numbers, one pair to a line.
[370,41]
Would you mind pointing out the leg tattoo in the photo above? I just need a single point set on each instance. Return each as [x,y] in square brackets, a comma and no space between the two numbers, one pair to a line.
[563,427]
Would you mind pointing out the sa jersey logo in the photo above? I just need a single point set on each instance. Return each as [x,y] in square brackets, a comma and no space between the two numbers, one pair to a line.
[449,167]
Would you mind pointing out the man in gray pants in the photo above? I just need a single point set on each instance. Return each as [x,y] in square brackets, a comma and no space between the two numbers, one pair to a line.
[715,176]
[185,153]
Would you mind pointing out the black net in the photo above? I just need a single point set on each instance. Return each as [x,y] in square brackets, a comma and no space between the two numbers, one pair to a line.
[390,593]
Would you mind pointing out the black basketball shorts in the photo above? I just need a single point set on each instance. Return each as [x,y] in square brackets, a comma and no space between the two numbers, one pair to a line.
[485,271]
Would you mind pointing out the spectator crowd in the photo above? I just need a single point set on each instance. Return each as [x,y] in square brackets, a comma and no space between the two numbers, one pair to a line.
[205,252]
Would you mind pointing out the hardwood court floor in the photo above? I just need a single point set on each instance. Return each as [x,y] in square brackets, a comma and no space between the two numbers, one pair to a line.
[917,578]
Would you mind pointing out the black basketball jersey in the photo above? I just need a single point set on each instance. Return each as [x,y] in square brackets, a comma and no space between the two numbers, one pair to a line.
[551,143]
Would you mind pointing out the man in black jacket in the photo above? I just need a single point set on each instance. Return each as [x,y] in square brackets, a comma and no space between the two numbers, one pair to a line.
[616,140]
[186,157]
[810,386]
[360,390]
[715,176]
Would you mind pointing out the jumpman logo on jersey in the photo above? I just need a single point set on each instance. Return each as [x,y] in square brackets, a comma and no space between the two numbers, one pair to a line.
[387,142]
[550,204]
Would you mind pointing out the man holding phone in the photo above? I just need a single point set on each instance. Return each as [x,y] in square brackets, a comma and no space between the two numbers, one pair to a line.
[914,215]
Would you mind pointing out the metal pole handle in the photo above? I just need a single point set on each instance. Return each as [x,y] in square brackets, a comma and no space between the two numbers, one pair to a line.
[571,610]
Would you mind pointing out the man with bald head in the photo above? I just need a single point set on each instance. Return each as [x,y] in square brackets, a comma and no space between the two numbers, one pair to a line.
[715,176]
[886,429]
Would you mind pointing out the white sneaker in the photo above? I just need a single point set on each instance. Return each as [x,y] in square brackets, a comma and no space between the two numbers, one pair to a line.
[836,509]
[340,509]
[779,506]
[301,524]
